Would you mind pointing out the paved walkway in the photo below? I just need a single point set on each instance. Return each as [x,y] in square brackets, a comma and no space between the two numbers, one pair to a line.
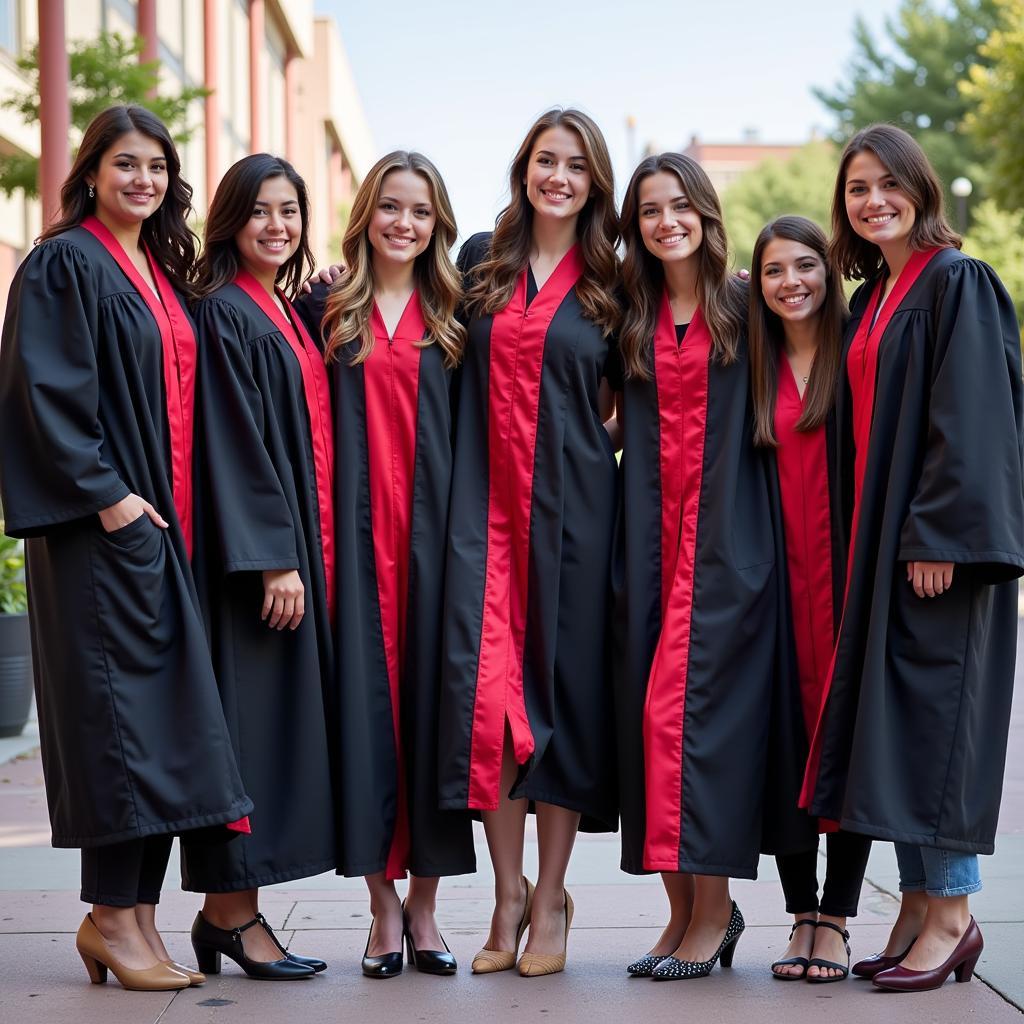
[617,917]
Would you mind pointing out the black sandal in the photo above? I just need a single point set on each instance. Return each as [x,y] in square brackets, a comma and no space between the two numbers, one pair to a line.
[819,963]
[794,961]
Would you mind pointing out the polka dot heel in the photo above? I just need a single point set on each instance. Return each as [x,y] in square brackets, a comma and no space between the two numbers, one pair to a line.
[644,967]
[671,969]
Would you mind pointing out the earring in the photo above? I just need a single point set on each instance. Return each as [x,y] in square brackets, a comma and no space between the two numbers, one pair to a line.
[92,192]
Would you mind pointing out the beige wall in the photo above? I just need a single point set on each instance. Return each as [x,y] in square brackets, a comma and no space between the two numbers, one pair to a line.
[333,145]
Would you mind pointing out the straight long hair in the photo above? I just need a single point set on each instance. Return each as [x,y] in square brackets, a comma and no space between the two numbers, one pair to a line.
[165,232]
[766,333]
[231,210]
[347,316]
[494,280]
[899,152]
[720,294]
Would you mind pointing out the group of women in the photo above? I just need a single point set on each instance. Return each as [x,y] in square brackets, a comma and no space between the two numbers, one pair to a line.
[317,574]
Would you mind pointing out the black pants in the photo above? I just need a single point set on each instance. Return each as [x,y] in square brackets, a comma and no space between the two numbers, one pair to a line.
[123,874]
[844,875]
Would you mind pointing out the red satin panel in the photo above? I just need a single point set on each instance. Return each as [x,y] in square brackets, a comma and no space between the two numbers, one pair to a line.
[178,342]
[318,405]
[862,371]
[516,360]
[681,373]
[391,377]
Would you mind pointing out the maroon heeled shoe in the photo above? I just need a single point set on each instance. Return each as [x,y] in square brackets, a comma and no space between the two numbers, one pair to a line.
[960,962]
[876,963]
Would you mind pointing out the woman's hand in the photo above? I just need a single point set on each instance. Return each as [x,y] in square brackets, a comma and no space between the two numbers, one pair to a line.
[328,276]
[126,511]
[930,579]
[284,599]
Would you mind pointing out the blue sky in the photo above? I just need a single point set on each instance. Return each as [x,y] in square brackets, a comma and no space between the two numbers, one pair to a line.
[463,81]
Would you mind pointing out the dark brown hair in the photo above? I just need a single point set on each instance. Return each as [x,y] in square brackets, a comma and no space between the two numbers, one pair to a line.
[494,279]
[231,210]
[165,232]
[858,259]
[720,294]
[766,333]
[350,301]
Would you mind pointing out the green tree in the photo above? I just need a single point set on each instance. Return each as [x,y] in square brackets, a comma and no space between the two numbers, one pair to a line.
[103,71]
[997,237]
[996,91]
[802,184]
[912,79]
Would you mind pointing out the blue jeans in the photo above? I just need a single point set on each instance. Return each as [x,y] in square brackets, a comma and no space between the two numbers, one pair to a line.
[937,872]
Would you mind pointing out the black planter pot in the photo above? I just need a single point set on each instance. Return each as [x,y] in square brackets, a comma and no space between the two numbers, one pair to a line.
[15,674]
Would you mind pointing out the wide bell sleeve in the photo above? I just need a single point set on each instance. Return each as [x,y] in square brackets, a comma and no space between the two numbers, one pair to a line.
[969,504]
[253,520]
[53,468]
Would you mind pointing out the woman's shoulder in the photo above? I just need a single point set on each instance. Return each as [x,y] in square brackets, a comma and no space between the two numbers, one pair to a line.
[474,250]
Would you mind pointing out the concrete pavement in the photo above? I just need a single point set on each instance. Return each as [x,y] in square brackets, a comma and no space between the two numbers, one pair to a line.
[617,918]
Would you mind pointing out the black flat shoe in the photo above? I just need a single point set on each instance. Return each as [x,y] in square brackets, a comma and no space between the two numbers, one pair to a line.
[794,961]
[672,969]
[389,965]
[316,963]
[843,969]
[210,942]
[428,961]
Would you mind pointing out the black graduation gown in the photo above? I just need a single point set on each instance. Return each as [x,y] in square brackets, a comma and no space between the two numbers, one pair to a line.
[694,682]
[261,511]
[134,741]
[393,438]
[528,568]
[912,741]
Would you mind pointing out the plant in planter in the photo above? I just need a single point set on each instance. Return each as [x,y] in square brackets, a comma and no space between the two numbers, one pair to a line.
[15,640]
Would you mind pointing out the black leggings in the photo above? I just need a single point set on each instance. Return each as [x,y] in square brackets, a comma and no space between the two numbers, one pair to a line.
[123,874]
[844,875]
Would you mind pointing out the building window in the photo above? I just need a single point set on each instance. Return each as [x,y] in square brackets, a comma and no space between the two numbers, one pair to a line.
[9,34]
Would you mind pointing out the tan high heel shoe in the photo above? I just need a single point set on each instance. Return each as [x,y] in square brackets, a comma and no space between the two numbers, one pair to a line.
[97,957]
[194,977]
[533,965]
[490,961]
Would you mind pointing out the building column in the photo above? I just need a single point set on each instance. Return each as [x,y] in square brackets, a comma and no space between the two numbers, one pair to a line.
[291,87]
[257,34]
[145,26]
[54,107]
[211,104]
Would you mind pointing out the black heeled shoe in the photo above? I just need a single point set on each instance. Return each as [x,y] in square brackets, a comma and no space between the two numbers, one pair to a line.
[315,962]
[644,967]
[210,942]
[673,969]
[389,965]
[428,961]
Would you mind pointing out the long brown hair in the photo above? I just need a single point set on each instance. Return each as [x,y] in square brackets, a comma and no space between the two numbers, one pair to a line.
[231,209]
[165,232]
[720,294]
[858,259]
[350,301]
[597,229]
[766,333]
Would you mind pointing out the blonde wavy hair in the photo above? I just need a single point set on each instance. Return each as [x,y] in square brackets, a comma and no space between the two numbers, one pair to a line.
[349,306]
[494,280]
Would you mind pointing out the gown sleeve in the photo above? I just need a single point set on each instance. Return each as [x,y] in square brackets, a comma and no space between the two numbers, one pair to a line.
[311,310]
[254,523]
[969,505]
[53,468]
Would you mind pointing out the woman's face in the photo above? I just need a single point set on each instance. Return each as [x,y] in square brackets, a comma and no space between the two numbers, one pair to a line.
[558,179]
[879,210]
[794,281]
[404,218]
[670,227]
[131,179]
[273,231]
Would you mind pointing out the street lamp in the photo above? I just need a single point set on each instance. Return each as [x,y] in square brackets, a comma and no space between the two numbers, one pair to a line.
[961,188]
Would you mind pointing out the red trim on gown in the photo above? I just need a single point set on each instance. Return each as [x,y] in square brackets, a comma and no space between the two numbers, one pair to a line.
[178,342]
[681,376]
[391,383]
[862,372]
[316,391]
[518,334]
